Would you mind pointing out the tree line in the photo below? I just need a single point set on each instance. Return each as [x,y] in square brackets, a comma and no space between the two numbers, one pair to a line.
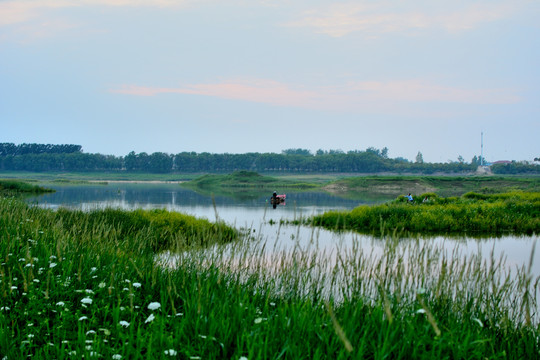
[40,158]
[7,149]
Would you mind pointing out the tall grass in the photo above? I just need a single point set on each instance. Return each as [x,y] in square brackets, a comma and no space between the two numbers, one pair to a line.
[83,286]
[13,187]
[513,212]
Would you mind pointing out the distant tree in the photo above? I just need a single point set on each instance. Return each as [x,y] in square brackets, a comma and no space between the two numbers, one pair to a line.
[419,158]
[384,152]
[304,152]
[478,160]
[335,152]
[373,150]
[460,159]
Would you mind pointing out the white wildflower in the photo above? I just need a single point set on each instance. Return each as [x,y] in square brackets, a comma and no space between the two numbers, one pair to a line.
[117,357]
[154,306]
[51,265]
[83,318]
[86,300]
[137,285]
[170,352]
[150,318]
[60,303]
[102,285]
[124,323]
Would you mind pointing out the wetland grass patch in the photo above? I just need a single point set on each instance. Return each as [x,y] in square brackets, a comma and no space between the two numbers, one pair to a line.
[474,214]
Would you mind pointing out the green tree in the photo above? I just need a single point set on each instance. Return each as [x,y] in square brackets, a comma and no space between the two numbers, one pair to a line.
[419,158]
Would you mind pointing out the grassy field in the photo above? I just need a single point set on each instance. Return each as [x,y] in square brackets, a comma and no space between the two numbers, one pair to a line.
[359,187]
[245,184]
[76,285]
[95,176]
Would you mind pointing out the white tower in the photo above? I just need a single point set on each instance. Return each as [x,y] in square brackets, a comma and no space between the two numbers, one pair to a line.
[482,148]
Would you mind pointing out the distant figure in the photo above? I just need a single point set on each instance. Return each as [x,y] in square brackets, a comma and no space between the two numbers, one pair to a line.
[274,200]
[409,198]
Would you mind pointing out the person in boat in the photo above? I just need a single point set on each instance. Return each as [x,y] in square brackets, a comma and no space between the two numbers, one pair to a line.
[274,199]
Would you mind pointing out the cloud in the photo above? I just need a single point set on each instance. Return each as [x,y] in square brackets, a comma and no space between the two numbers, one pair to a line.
[353,96]
[381,18]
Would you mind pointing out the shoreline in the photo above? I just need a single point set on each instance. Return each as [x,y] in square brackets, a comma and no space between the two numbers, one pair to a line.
[137,181]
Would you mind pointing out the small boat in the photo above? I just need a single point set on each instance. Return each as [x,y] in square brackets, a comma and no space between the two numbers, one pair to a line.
[278,199]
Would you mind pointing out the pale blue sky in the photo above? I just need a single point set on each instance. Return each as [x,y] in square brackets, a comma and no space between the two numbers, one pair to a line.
[264,76]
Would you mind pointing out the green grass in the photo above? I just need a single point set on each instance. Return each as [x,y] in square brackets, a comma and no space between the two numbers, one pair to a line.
[244,184]
[474,214]
[12,187]
[89,176]
[76,284]
[358,187]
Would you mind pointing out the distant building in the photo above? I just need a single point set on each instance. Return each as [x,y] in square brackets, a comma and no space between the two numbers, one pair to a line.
[501,162]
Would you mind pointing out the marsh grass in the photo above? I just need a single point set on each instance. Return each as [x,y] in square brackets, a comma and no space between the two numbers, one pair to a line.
[85,286]
[14,187]
[481,214]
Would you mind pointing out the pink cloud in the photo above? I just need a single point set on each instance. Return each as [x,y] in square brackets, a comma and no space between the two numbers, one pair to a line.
[353,96]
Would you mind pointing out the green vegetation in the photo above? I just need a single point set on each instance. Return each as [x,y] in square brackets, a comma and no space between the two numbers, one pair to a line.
[359,187]
[151,230]
[96,176]
[70,158]
[246,183]
[74,285]
[474,214]
[11,187]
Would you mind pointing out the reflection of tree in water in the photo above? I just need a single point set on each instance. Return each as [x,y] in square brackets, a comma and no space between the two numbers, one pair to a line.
[173,194]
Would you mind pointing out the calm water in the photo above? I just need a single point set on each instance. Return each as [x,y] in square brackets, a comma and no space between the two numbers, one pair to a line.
[255,213]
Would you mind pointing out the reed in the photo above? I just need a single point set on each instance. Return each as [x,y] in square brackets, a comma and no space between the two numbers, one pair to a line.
[75,284]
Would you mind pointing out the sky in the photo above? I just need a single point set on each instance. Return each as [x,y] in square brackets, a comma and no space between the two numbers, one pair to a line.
[238,76]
